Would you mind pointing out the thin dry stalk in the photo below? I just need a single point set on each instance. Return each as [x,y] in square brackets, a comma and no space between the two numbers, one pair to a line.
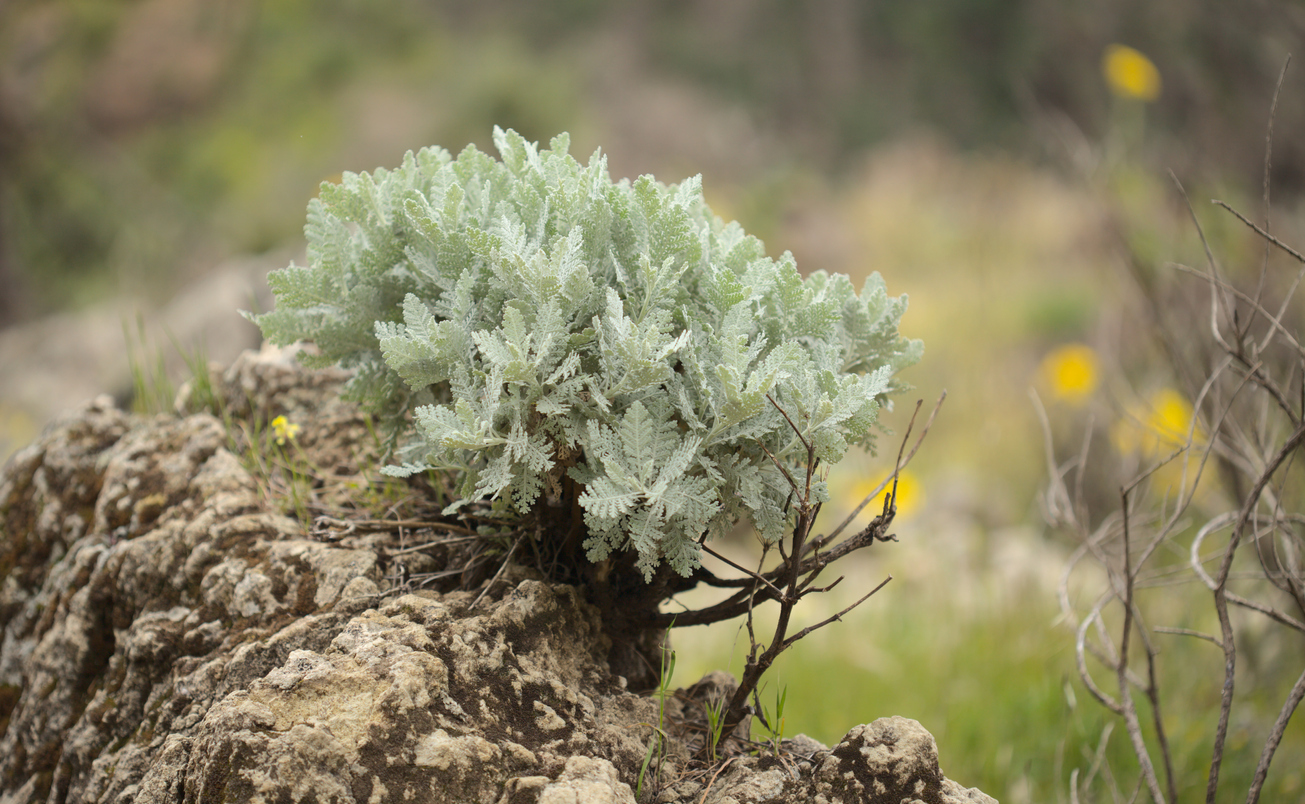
[1219,301]
[1275,737]
[1270,238]
[1125,703]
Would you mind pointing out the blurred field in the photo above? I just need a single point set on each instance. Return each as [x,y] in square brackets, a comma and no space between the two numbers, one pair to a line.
[974,156]
[1006,265]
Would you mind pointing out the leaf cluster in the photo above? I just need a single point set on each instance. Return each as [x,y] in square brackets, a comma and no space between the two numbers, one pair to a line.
[551,337]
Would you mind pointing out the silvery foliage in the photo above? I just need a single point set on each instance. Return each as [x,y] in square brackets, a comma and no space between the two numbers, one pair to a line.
[543,324]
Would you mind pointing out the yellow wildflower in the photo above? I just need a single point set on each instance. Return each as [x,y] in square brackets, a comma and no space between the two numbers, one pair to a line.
[284,430]
[1165,422]
[1171,417]
[1130,74]
[1072,371]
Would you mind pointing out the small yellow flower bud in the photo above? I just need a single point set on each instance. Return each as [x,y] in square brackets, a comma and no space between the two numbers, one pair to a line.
[1130,74]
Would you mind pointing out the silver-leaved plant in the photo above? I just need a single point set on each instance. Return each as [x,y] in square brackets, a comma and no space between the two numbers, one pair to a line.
[542,332]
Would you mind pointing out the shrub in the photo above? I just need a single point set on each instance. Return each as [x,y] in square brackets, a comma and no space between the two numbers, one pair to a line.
[565,341]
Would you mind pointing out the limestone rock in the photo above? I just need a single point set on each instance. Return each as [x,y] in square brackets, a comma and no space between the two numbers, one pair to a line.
[891,759]
[171,634]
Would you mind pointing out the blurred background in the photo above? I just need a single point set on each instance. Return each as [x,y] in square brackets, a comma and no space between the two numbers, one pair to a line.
[1002,162]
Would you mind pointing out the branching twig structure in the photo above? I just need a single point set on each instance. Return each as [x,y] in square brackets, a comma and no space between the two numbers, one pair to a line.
[1249,428]
[802,559]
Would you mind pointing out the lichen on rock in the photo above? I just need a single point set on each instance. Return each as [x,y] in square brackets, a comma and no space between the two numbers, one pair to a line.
[170,634]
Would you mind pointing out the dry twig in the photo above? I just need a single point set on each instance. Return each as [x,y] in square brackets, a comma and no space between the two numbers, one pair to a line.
[801,563]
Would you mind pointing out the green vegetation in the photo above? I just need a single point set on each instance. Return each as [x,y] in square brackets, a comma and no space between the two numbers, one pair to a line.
[657,745]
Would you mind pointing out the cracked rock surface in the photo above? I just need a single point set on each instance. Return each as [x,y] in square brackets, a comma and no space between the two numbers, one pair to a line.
[170,634]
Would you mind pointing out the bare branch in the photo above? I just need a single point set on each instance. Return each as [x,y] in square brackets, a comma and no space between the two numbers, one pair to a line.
[1252,500]
[793,485]
[1275,737]
[1125,696]
[753,575]
[1275,241]
[1194,560]
[793,579]
[1080,659]
[1276,327]
[901,464]
[796,430]
[1188,632]
[1268,161]
[1218,301]
[1059,509]
[1157,718]
[839,615]
[1221,607]
[1099,756]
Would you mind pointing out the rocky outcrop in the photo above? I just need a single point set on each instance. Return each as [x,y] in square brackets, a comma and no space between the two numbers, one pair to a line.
[170,634]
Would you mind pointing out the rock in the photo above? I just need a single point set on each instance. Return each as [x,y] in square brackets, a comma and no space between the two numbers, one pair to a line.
[892,759]
[584,780]
[172,634]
